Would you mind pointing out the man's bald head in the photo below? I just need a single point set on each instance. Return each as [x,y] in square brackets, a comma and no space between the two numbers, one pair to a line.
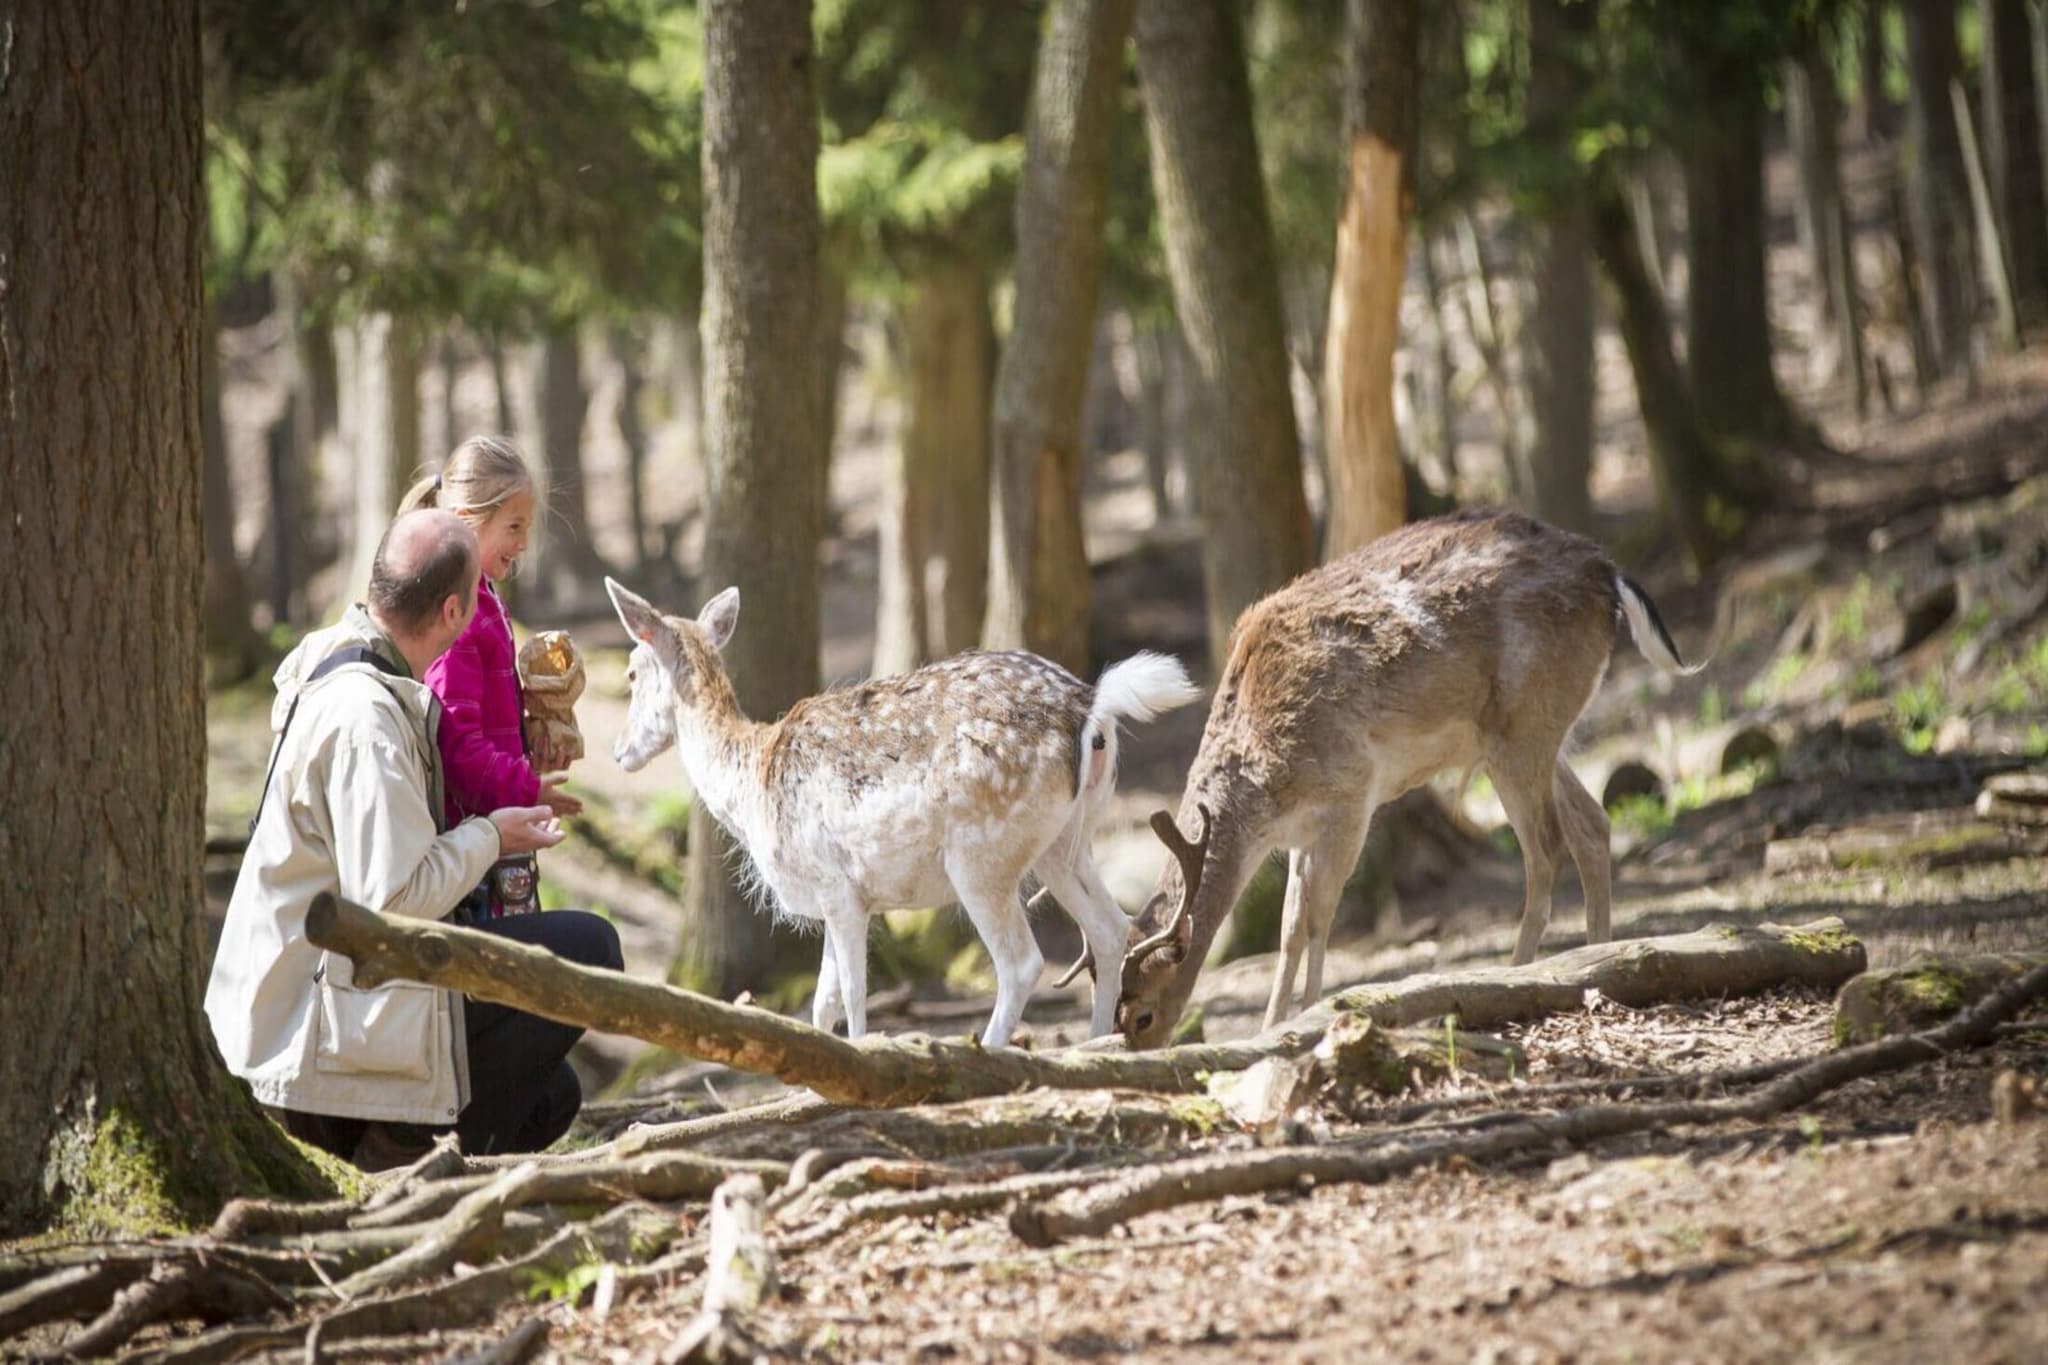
[425,558]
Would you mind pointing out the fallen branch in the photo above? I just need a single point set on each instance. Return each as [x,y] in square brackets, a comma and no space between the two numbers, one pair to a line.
[885,1072]
[524,1340]
[1087,1214]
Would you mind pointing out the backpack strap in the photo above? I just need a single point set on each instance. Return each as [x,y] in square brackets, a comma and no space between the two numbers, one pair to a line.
[352,654]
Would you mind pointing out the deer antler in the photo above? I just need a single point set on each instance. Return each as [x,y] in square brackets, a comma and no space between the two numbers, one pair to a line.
[1190,856]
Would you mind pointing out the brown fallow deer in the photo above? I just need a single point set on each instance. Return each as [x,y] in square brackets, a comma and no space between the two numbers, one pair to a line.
[949,783]
[1469,641]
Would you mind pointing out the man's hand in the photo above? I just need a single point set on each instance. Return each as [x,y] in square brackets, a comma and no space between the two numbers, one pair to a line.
[555,799]
[524,829]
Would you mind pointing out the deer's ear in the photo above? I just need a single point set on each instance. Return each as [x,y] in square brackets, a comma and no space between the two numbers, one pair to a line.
[641,620]
[719,616]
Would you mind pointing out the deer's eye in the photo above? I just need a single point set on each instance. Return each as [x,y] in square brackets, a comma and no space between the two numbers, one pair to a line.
[1143,1023]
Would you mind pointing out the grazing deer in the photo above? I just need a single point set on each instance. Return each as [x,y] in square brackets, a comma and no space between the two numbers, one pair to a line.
[949,783]
[1470,640]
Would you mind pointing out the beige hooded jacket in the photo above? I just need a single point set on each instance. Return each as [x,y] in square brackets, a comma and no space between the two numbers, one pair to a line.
[350,809]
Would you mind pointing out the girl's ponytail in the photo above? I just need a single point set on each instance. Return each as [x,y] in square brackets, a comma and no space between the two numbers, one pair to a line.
[425,493]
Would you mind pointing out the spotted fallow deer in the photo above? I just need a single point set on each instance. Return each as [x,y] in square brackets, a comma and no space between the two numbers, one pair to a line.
[1469,641]
[949,783]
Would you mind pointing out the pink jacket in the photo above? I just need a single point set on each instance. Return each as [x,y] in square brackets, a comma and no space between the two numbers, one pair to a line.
[483,747]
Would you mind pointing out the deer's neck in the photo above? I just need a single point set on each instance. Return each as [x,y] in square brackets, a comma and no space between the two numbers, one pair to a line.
[721,750]
[1240,824]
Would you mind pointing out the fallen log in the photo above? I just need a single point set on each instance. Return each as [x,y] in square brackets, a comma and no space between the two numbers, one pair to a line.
[658,1178]
[887,1072]
[1090,1213]
[1925,990]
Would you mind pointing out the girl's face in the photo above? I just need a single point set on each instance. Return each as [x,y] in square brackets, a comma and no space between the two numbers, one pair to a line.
[502,537]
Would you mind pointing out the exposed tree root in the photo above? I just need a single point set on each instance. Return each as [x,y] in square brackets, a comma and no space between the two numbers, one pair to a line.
[657,1178]
[739,1272]
[465,1232]
[1090,1213]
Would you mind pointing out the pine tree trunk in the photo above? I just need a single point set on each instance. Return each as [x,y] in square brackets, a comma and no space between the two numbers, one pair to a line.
[1038,565]
[303,534]
[831,345]
[1226,289]
[1367,491]
[1560,362]
[1684,459]
[1728,330]
[233,649]
[381,413]
[935,529]
[763,434]
[2012,151]
[1873,105]
[575,570]
[117,1107]
[1938,202]
[1814,113]
[625,344]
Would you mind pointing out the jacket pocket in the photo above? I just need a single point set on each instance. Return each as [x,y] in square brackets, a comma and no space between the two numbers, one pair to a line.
[389,1031]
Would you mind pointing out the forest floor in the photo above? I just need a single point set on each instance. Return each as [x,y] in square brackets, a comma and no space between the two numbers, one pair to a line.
[1876,655]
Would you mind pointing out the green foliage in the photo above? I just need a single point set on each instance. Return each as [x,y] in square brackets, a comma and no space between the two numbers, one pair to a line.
[1640,817]
[567,1286]
[499,161]
[1774,683]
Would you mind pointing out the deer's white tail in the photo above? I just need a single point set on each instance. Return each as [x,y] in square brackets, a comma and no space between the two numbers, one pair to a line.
[1648,628]
[1139,688]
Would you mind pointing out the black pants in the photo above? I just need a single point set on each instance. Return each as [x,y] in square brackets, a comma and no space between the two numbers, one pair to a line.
[522,1093]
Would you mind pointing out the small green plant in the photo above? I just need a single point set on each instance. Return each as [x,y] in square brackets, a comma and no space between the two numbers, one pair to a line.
[1776,681]
[1918,711]
[1866,682]
[1451,1042]
[1641,817]
[2035,745]
[1810,1129]
[1713,707]
[565,1287]
[1852,618]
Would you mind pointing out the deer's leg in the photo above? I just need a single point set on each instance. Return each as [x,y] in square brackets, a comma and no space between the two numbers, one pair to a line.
[990,899]
[1526,793]
[828,1006]
[846,939]
[1586,836]
[1315,882]
[1078,886]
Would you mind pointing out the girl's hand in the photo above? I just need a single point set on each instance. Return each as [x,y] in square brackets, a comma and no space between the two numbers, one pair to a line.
[555,799]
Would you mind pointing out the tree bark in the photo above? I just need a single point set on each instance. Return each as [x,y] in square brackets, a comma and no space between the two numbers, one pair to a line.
[574,570]
[1938,203]
[626,348]
[1226,290]
[381,413]
[1560,362]
[118,1110]
[763,433]
[1728,328]
[935,528]
[2013,149]
[1685,460]
[1038,564]
[1383,73]
[1813,112]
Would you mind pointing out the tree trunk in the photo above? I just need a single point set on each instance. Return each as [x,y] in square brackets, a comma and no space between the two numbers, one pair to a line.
[763,434]
[233,648]
[626,348]
[950,338]
[1728,329]
[118,1112]
[1226,289]
[1873,105]
[1938,201]
[1684,459]
[1560,362]
[381,412]
[1813,113]
[1149,342]
[831,349]
[2012,151]
[1038,565]
[1367,492]
[575,572]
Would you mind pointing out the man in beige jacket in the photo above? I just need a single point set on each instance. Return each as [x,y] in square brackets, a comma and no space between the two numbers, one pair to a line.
[352,806]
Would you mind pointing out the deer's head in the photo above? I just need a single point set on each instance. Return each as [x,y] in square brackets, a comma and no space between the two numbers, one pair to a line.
[1156,975]
[675,664]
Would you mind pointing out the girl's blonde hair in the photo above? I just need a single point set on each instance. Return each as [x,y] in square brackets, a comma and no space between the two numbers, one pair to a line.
[480,475]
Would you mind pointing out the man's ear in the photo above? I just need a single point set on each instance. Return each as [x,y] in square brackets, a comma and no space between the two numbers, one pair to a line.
[719,616]
[641,620]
